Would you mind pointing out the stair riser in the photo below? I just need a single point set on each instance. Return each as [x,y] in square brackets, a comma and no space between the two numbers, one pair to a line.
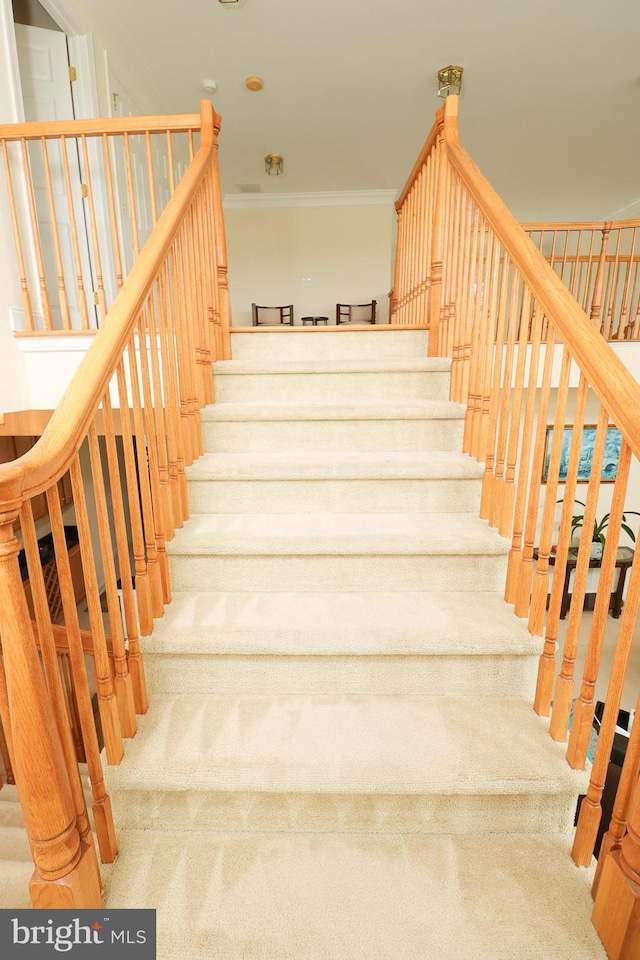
[340,573]
[291,813]
[334,496]
[325,436]
[453,676]
[276,387]
[335,345]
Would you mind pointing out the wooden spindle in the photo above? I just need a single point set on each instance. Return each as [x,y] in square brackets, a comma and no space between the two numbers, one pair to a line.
[103,817]
[35,237]
[494,390]
[4,749]
[132,197]
[591,809]
[113,219]
[565,682]
[6,746]
[135,659]
[143,592]
[25,297]
[501,505]
[66,869]
[159,402]
[123,684]
[210,125]
[174,432]
[65,314]
[95,243]
[75,247]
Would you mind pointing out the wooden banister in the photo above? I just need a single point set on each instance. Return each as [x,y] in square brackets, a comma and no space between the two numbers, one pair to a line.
[141,384]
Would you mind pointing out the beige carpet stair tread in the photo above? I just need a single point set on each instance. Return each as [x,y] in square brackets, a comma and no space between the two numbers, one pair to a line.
[344,897]
[340,534]
[355,744]
[328,623]
[327,368]
[333,466]
[331,410]
[14,884]
[14,844]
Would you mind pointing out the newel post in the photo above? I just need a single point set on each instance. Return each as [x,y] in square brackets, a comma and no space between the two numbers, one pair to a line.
[437,242]
[598,287]
[212,121]
[66,871]
[616,914]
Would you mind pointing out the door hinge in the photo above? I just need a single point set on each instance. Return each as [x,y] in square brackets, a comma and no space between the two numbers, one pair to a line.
[115,100]
[72,74]
[96,298]
[84,190]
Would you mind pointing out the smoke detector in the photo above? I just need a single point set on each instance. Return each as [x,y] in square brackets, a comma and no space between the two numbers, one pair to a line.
[209,86]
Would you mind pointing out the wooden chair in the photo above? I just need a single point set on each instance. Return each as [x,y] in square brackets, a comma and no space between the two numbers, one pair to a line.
[356,312]
[271,316]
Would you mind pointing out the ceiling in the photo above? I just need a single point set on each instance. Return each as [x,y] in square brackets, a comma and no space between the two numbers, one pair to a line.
[550,108]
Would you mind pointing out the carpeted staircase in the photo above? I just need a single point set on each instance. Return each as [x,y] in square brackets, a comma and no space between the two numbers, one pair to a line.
[340,760]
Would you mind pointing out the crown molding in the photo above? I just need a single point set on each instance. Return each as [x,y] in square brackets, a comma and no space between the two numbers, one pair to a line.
[336,198]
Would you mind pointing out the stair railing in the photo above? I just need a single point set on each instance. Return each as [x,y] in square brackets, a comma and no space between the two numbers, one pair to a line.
[126,427]
[599,263]
[548,406]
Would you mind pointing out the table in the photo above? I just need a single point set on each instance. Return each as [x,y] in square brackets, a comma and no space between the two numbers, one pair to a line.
[315,320]
[624,559]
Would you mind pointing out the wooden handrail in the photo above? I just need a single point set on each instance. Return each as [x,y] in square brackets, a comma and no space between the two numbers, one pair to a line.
[51,456]
[112,126]
[611,380]
[578,225]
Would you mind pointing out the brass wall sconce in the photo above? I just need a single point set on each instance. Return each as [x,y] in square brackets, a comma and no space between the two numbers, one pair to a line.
[449,80]
[274,164]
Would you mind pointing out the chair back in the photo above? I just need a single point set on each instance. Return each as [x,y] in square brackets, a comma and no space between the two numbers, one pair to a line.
[270,316]
[356,312]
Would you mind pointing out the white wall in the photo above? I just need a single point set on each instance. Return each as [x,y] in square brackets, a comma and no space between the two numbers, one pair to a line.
[344,250]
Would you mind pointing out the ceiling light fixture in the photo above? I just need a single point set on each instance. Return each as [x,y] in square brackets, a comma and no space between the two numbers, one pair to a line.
[274,164]
[449,80]
[254,83]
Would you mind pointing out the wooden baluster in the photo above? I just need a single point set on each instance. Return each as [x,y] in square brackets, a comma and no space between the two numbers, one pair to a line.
[143,590]
[584,707]
[172,179]
[35,236]
[202,308]
[612,839]
[73,720]
[539,594]
[101,806]
[501,505]
[187,352]
[95,243]
[177,346]
[591,810]
[113,219]
[151,176]
[158,400]
[513,591]
[468,310]
[489,347]
[461,297]
[488,477]
[210,130]
[479,294]
[397,292]
[132,198]
[413,258]
[616,913]
[418,276]
[51,669]
[75,247]
[159,499]
[608,312]
[449,264]
[107,703]
[174,433]
[624,300]
[66,870]
[4,746]
[212,273]
[123,684]
[525,582]
[507,525]
[25,297]
[596,300]
[411,235]
[153,563]
[62,289]
[425,235]
[437,241]
[565,682]
[546,668]
[135,659]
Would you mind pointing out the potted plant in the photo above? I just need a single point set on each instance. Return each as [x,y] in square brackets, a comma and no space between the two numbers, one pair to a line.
[598,537]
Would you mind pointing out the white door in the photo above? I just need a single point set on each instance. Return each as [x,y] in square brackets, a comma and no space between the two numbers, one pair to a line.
[46,92]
